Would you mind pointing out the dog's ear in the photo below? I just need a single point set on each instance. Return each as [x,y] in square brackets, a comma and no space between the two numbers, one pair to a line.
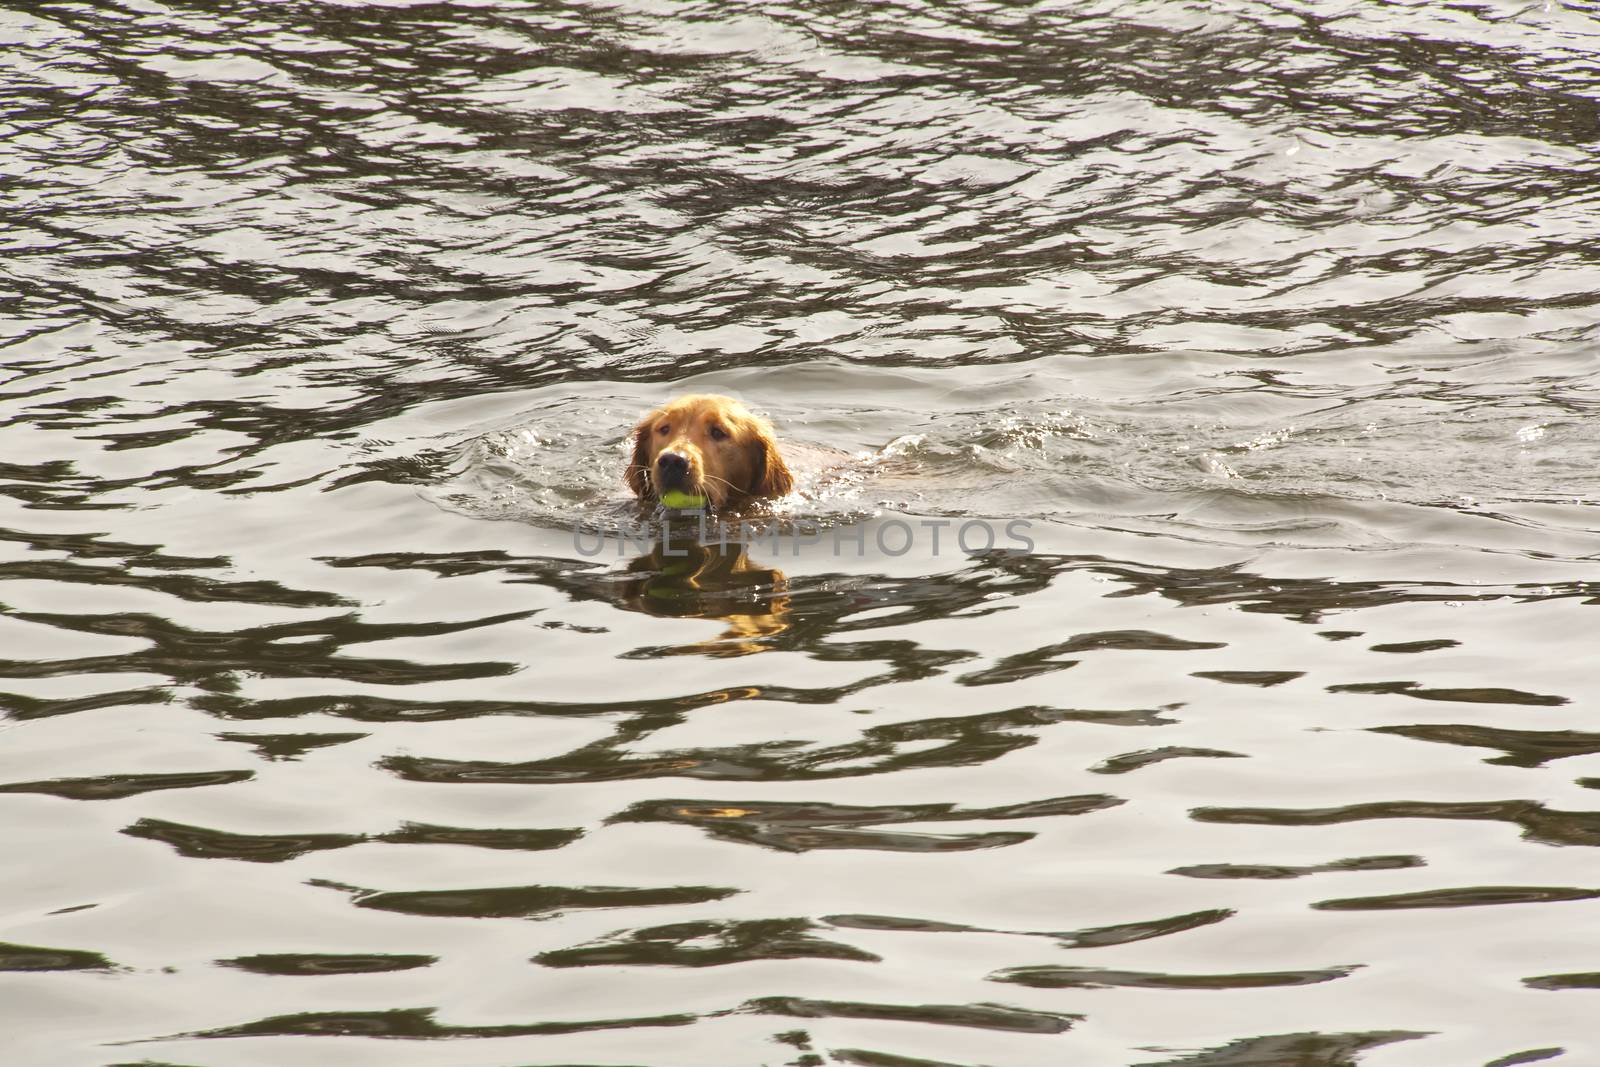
[638,473]
[772,477]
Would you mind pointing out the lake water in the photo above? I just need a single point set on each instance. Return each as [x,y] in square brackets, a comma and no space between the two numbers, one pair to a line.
[355,716]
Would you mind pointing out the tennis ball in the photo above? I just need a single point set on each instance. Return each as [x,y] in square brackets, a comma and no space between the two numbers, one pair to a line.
[677,498]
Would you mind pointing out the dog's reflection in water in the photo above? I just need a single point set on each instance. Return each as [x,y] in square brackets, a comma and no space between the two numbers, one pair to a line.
[683,578]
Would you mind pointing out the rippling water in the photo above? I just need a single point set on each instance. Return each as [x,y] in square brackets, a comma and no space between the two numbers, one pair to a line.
[349,698]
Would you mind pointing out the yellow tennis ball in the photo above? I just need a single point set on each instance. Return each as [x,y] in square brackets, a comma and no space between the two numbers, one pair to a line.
[677,498]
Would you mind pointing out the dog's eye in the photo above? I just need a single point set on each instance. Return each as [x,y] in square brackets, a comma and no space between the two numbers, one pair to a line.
[663,429]
[718,433]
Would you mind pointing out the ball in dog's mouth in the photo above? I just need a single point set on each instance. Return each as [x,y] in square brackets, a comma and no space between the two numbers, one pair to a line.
[681,501]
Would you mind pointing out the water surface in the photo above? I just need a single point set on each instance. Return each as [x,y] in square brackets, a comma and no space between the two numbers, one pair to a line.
[349,721]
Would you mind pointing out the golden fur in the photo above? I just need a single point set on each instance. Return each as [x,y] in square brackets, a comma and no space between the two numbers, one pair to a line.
[710,446]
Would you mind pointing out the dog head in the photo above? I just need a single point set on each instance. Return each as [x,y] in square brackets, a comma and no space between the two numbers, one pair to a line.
[708,446]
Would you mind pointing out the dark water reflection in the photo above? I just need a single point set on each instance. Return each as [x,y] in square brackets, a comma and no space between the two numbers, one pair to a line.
[322,326]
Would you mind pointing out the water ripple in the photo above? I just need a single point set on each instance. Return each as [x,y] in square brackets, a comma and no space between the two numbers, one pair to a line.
[1270,326]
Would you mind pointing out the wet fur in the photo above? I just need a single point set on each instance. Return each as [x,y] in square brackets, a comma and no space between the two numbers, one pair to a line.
[743,463]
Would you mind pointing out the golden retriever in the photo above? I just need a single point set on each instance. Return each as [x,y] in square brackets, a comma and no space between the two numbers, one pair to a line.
[707,446]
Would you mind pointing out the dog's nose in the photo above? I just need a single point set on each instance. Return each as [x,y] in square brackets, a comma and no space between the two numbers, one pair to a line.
[672,468]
